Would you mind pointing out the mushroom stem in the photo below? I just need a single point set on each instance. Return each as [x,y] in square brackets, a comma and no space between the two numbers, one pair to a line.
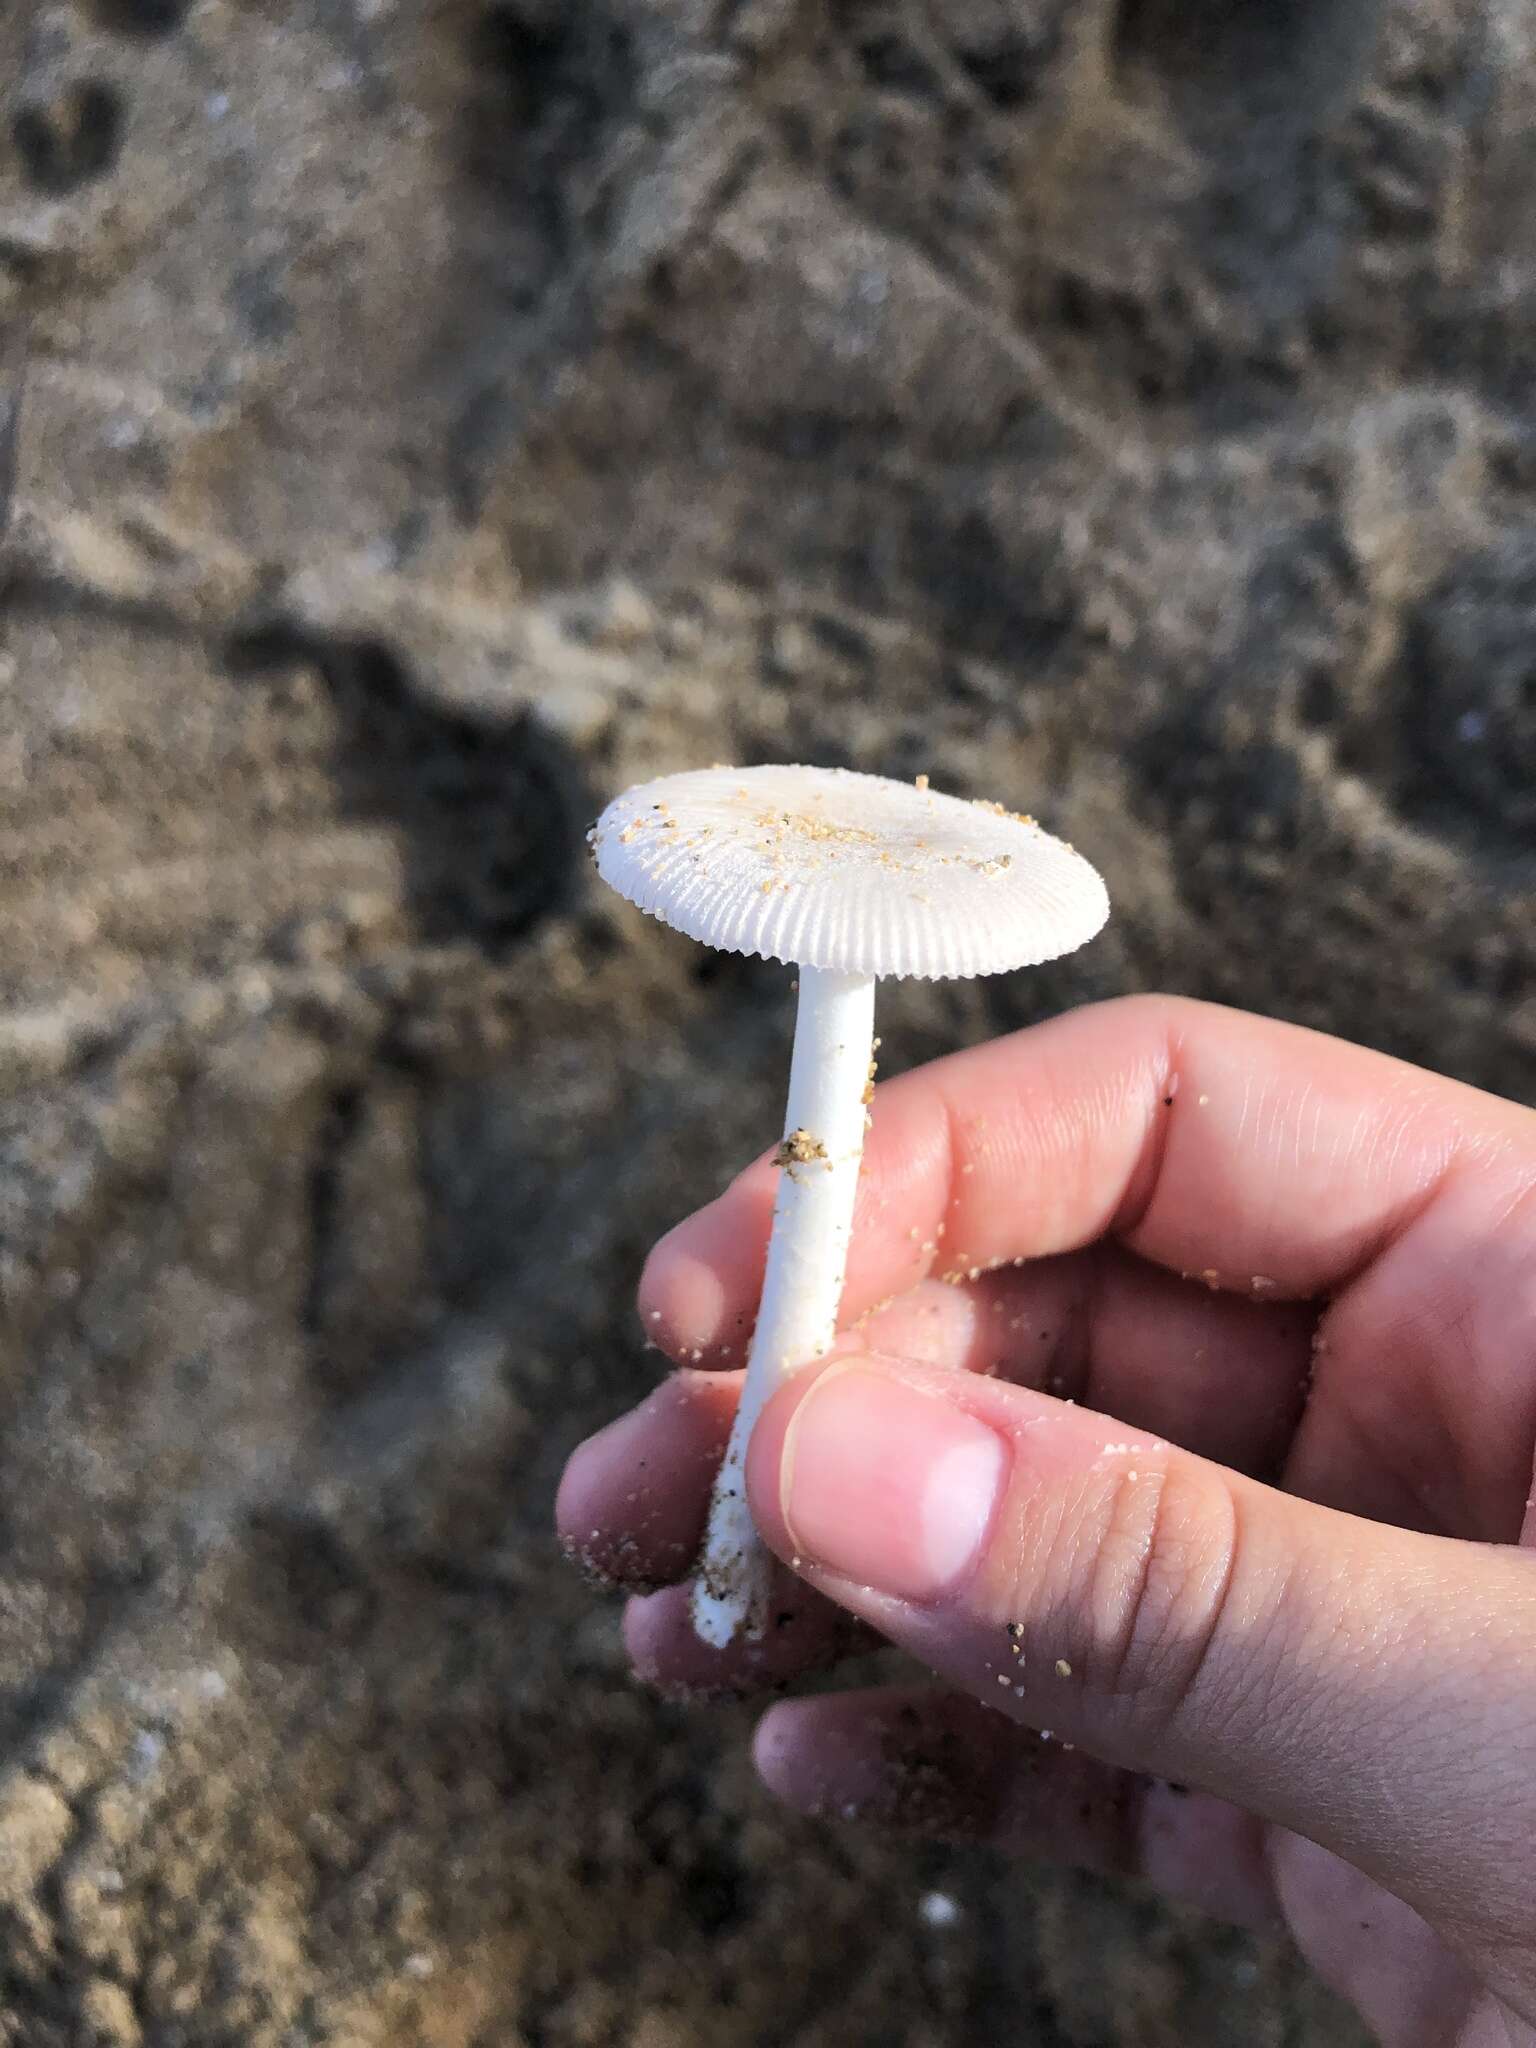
[803,1281]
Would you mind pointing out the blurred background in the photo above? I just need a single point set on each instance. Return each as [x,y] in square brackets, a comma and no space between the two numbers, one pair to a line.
[423,418]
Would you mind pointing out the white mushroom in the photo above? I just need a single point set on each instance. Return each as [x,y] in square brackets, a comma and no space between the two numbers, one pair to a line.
[847,877]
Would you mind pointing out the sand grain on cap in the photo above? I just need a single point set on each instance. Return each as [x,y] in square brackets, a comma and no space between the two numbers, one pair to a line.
[851,873]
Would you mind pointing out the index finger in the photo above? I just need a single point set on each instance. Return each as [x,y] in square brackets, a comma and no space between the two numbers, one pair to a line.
[1226,1147]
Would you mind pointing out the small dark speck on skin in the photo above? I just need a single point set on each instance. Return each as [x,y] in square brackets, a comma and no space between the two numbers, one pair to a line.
[1167,1102]
[1182,1791]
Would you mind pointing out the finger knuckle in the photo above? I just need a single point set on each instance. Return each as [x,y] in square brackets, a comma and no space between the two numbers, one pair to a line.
[1156,1581]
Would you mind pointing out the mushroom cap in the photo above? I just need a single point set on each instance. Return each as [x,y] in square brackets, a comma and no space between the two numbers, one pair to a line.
[856,874]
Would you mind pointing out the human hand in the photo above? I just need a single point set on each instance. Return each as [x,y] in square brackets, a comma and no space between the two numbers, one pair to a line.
[1216,1463]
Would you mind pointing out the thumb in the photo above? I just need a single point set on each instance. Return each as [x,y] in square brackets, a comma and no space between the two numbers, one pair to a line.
[1363,1685]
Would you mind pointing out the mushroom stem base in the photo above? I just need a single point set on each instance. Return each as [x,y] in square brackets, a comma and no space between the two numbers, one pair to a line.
[803,1280]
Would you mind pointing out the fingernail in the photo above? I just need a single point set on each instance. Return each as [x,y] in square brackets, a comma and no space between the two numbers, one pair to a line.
[887,1485]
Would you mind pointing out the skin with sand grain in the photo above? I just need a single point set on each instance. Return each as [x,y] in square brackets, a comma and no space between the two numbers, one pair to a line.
[1182,1424]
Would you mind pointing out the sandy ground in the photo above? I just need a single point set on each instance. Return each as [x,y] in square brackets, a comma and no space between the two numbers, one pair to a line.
[436,416]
